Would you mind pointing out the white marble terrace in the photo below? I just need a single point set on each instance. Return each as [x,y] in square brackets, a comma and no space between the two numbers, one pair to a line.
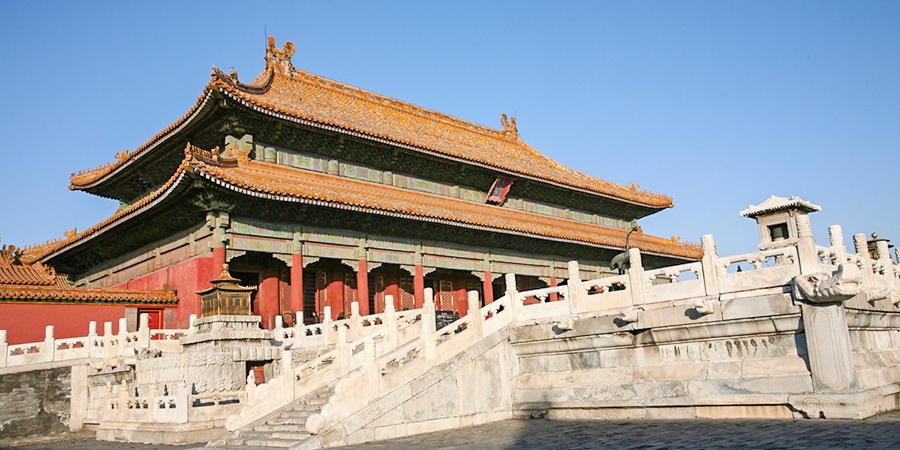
[382,352]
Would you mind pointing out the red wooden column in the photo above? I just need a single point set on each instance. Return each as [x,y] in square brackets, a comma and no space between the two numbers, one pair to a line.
[488,287]
[419,278]
[419,285]
[267,298]
[362,286]
[218,259]
[554,296]
[296,284]
[217,221]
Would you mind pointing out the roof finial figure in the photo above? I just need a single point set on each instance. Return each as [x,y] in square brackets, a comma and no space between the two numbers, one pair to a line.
[280,59]
[509,126]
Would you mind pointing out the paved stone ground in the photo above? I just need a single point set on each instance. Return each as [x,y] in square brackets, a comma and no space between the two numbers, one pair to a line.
[882,432]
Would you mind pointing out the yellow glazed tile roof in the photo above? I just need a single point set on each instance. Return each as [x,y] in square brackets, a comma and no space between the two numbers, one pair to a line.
[290,94]
[289,184]
[86,295]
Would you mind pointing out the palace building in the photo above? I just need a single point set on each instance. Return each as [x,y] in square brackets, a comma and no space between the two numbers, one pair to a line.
[322,194]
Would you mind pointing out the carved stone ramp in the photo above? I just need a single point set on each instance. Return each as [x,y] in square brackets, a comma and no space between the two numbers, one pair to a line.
[282,428]
[473,386]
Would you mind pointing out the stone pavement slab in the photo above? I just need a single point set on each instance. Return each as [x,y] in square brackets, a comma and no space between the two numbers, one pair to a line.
[876,433]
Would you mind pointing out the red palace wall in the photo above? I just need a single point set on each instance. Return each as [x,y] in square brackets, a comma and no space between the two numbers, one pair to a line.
[25,322]
[186,278]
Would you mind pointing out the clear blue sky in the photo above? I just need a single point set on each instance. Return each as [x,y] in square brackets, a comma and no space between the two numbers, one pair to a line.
[718,104]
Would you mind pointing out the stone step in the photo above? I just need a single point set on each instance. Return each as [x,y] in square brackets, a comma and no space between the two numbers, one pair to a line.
[280,427]
[308,407]
[277,435]
[268,436]
[299,413]
[289,420]
[282,443]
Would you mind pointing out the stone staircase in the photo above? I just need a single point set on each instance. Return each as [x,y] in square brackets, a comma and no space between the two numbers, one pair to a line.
[283,428]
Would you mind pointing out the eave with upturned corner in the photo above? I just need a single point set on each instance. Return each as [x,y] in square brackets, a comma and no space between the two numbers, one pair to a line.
[245,181]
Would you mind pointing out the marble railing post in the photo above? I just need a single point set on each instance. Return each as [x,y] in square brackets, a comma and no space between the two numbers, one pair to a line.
[123,329]
[182,402]
[107,340]
[151,400]
[825,326]
[475,321]
[278,331]
[884,256]
[49,343]
[298,326]
[4,348]
[428,334]
[836,238]
[191,319]
[636,276]
[144,331]
[94,351]
[355,321]
[708,265]
[806,247]
[374,374]
[390,320]
[343,348]
[512,293]
[428,303]
[326,324]
[288,374]
[123,400]
[862,251]
[574,288]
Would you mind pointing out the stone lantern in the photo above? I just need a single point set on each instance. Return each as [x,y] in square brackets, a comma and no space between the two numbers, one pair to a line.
[777,220]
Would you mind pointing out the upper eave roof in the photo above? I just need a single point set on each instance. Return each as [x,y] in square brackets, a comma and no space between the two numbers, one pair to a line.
[311,100]
[281,183]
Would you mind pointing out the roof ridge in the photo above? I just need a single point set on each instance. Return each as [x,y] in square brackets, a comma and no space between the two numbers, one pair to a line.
[401,105]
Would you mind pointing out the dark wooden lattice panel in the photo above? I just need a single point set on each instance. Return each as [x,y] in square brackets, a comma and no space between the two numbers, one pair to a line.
[372,294]
[349,292]
[407,294]
[379,294]
[285,291]
[444,299]
[321,293]
[309,295]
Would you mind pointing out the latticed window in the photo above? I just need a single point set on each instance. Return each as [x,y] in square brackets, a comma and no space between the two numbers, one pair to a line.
[285,291]
[407,294]
[349,292]
[379,294]
[444,300]
[321,293]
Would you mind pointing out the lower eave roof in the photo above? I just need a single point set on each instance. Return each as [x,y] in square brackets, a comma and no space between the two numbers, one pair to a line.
[281,183]
[54,294]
